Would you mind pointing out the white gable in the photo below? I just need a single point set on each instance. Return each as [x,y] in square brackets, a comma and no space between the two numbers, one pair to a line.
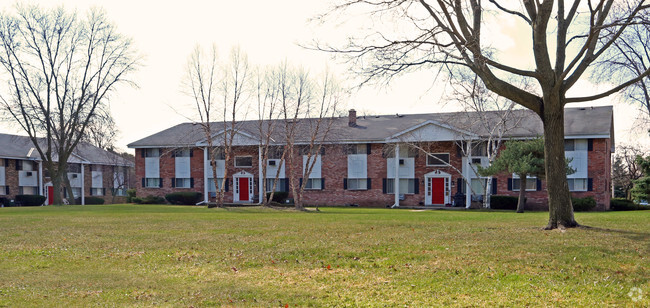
[429,131]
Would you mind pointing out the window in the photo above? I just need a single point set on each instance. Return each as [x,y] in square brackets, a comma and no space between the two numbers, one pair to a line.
[76,192]
[151,182]
[314,184]
[218,154]
[119,192]
[74,168]
[25,165]
[357,184]
[531,183]
[151,152]
[3,190]
[478,186]
[96,168]
[182,183]
[181,153]
[3,163]
[279,186]
[479,148]
[406,186]
[404,151]
[355,149]
[96,191]
[575,145]
[438,159]
[211,187]
[243,161]
[275,152]
[305,149]
[577,184]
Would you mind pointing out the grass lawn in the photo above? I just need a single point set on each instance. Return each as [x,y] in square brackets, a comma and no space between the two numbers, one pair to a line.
[151,255]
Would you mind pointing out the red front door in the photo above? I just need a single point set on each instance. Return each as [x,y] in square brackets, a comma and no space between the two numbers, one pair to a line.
[243,189]
[50,195]
[437,191]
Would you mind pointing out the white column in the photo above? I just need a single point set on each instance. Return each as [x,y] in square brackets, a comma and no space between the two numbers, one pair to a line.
[396,180]
[468,179]
[40,179]
[205,174]
[83,186]
[259,184]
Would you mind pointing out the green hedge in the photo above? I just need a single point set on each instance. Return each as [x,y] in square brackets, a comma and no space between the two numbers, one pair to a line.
[150,199]
[30,200]
[503,202]
[184,197]
[130,194]
[90,200]
[278,196]
[583,204]
[622,204]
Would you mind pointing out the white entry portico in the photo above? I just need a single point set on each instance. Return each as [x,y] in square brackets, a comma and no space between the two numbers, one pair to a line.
[438,188]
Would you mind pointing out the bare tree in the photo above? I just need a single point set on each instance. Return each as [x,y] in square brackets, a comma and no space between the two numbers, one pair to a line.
[626,169]
[451,33]
[218,92]
[101,131]
[629,57]
[308,112]
[268,112]
[60,69]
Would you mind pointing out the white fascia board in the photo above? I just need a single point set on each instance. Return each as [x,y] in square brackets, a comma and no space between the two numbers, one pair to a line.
[20,158]
[159,146]
[587,137]
[203,142]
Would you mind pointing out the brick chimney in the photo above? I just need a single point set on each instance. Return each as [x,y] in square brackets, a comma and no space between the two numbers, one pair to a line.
[352,118]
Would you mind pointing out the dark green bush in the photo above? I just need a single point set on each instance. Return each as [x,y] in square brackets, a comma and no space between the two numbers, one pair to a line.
[94,200]
[30,200]
[4,201]
[622,204]
[583,204]
[130,194]
[503,202]
[184,197]
[278,196]
[150,199]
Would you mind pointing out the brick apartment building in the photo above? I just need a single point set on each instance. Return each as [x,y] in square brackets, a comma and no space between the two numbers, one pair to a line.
[92,172]
[398,160]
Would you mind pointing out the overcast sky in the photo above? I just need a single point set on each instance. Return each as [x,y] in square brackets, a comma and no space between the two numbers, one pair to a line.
[165,32]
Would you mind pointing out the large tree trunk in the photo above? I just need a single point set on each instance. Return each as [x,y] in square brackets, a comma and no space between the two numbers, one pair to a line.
[56,188]
[68,188]
[559,197]
[521,202]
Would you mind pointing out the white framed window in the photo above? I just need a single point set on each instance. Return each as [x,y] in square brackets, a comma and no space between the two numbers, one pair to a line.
[357,184]
[351,149]
[151,152]
[3,190]
[30,190]
[438,159]
[211,187]
[119,191]
[243,161]
[182,182]
[152,182]
[314,184]
[96,191]
[478,186]
[28,165]
[279,186]
[406,186]
[182,153]
[531,183]
[577,184]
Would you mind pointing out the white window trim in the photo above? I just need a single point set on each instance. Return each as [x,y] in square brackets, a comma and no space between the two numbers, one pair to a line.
[528,179]
[235,162]
[356,179]
[440,164]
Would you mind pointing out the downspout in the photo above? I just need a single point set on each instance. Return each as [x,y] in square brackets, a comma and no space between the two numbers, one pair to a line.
[259,176]
[83,186]
[205,174]
[40,178]
[468,179]
[396,181]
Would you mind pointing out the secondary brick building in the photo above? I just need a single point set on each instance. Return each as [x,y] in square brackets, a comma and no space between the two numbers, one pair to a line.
[91,171]
[399,160]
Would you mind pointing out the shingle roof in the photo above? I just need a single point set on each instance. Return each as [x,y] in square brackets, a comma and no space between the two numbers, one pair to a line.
[15,146]
[589,121]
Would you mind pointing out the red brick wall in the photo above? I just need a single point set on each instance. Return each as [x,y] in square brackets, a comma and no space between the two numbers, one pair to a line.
[599,170]
[334,170]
